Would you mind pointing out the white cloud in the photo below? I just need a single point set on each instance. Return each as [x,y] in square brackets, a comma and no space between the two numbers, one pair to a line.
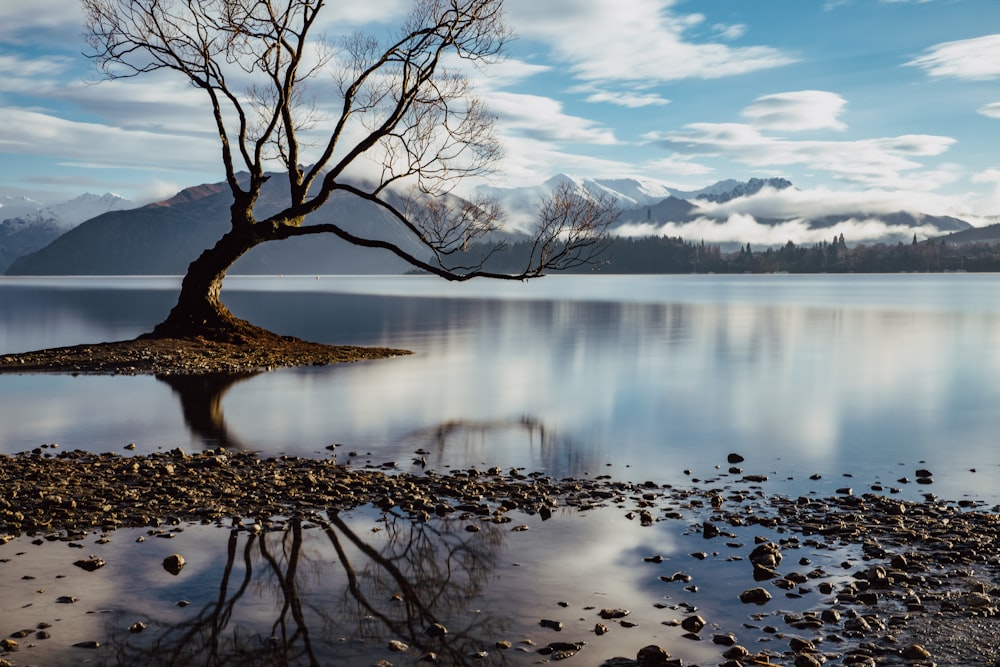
[633,40]
[542,119]
[976,59]
[820,202]
[874,162]
[734,31]
[797,111]
[992,110]
[744,228]
[22,21]
[629,99]
[31,132]
[679,165]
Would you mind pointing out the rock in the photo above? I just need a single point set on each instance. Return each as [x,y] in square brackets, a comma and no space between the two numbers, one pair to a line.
[693,623]
[90,564]
[808,660]
[88,644]
[801,645]
[436,630]
[755,595]
[137,627]
[977,600]
[735,458]
[614,613]
[174,563]
[397,646]
[915,652]
[766,555]
[727,639]
[600,629]
[652,656]
[709,530]
[551,625]
[561,650]
[736,652]
[830,616]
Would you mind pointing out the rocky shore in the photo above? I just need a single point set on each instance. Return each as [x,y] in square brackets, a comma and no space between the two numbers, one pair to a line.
[187,356]
[916,586]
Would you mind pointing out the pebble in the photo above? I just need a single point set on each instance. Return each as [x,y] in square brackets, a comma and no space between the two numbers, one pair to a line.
[757,596]
[174,563]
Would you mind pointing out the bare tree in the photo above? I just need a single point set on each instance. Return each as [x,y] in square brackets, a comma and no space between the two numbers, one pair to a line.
[403,107]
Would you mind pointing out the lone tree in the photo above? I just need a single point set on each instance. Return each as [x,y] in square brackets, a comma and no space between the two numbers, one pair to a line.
[401,105]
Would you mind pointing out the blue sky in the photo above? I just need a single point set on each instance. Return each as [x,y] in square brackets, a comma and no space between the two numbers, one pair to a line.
[884,104]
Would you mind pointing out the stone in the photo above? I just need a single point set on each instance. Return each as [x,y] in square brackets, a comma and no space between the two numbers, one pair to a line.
[436,630]
[736,652]
[757,596]
[137,627]
[551,625]
[174,563]
[735,458]
[693,623]
[613,613]
[652,656]
[90,564]
[397,646]
[916,652]
[727,639]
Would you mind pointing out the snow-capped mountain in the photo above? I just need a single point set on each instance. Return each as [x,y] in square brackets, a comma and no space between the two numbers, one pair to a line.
[727,212]
[730,189]
[18,207]
[27,225]
[628,192]
[66,214]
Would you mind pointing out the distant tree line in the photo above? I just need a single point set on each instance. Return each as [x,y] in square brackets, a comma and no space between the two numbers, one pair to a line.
[664,254]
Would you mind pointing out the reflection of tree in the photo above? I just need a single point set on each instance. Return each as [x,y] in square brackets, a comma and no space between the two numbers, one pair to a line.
[201,404]
[554,451]
[323,607]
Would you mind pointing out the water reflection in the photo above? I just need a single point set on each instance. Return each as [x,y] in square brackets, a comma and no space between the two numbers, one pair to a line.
[320,591]
[830,375]
[200,397]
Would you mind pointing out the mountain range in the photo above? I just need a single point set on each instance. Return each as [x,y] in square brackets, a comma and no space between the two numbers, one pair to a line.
[164,237]
[27,225]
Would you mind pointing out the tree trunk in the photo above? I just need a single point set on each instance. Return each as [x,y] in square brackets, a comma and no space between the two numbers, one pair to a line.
[199,312]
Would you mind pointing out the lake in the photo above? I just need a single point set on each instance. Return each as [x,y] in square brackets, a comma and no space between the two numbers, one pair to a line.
[853,379]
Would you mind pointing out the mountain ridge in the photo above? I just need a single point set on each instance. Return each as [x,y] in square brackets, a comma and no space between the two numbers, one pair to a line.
[165,236]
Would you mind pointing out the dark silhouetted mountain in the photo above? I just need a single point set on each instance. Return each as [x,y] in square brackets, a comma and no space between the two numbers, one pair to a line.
[163,238]
[20,236]
[988,234]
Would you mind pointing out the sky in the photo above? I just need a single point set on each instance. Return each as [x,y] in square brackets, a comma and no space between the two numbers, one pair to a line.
[871,104]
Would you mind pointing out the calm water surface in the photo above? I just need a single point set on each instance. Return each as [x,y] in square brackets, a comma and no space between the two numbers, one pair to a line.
[648,377]
[571,375]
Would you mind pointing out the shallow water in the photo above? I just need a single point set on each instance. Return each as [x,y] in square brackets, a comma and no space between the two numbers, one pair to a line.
[857,379]
[570,375]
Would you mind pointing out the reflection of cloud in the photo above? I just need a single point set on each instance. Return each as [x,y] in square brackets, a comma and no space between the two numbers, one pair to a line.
[642,383]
